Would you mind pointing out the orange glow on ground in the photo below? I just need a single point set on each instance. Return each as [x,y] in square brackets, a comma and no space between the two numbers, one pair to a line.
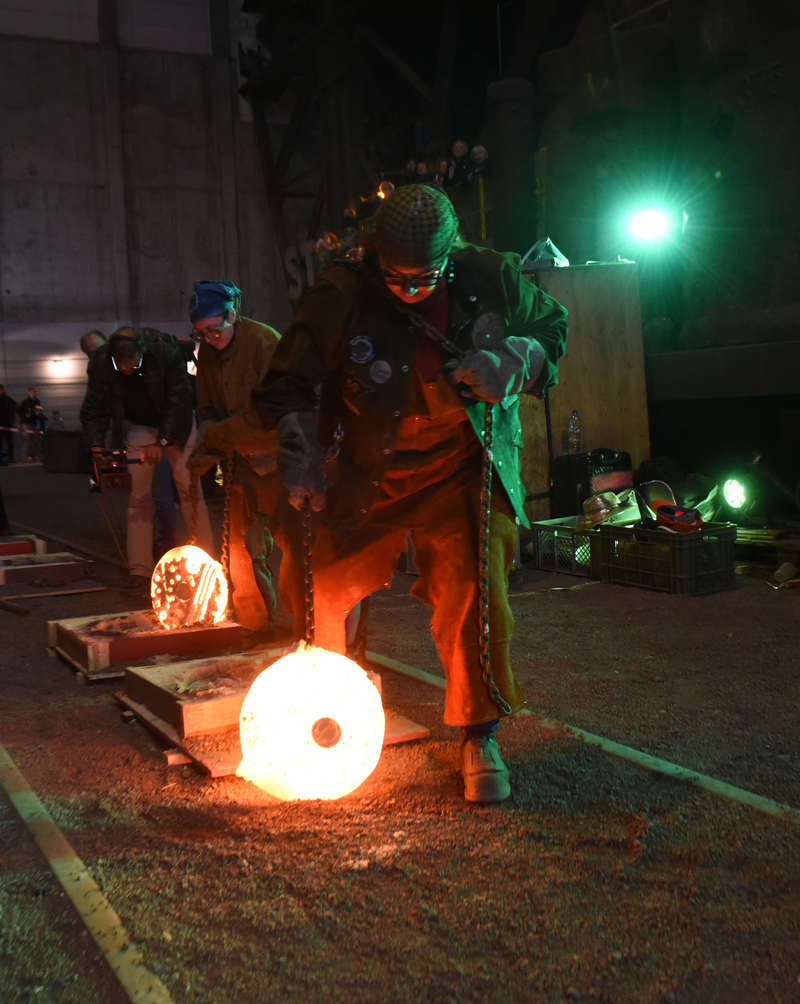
[311,726]
[188,587]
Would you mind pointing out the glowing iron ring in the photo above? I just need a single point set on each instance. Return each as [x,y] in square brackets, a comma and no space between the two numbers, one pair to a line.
[188,587]
[311,726]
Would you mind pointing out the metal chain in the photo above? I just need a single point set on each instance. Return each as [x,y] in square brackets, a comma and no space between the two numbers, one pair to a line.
[308,574]
[483,562]
[194,483]
[225,552]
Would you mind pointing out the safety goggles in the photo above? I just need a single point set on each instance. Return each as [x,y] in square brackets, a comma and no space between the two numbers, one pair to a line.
[127,372]
[425,280]
[209,333]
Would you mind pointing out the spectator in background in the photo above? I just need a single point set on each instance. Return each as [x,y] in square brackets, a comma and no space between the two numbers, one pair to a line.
[442,172]
[410,172]
[30,422]
[460,165]
[57,422]
[480,166]
[424,174]
[8,413]
[40,420]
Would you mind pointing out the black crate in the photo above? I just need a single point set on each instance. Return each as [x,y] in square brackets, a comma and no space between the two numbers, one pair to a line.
[559,546]
[576,476]
[687,564]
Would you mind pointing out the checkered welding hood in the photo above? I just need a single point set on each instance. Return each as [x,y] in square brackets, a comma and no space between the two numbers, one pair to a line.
[416,226]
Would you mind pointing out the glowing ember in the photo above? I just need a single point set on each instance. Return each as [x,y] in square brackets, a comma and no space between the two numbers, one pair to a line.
[188,587]
[311,726]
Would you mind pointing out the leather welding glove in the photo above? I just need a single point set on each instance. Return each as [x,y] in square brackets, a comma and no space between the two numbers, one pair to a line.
[495,374]
[243,434]
[300,459]
[198,462]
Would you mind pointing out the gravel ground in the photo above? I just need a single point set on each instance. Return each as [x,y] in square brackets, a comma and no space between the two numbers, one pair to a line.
[597,880]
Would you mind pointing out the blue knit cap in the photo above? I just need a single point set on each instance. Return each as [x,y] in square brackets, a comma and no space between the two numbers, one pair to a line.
[211,298]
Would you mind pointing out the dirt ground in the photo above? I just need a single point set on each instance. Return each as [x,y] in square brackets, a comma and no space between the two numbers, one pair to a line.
[597,881]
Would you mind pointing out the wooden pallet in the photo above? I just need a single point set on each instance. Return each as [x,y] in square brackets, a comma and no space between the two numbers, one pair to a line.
[60,566]
[100,653]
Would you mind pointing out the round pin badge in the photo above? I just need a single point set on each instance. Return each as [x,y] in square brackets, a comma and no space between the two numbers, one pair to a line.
[380,371]
[361,349]
[488,330]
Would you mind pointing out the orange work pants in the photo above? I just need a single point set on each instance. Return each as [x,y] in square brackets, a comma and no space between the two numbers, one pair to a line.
[443,522]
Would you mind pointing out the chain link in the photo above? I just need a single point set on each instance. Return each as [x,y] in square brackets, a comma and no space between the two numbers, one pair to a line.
[308,574]
[483,562]
[225,553]
[194,485]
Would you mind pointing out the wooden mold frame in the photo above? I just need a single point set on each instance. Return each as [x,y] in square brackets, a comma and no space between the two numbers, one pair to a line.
[61,565]
[23,544]
[175,703]
[99,648]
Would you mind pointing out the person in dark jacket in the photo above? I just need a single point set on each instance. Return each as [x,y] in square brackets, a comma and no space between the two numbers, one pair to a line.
[30,421]
[8,413]
[397,354]
[138,386]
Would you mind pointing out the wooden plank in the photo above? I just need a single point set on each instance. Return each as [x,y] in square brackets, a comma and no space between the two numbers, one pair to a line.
[602,373]
[402,730]
[59,592]
[535,456]
[213,764]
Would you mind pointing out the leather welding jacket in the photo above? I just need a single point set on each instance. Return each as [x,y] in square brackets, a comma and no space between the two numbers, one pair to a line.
[164,374]
[226,378]
[352,348]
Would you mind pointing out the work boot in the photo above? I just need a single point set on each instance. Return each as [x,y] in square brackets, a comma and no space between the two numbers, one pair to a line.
[137,585]
[485,774]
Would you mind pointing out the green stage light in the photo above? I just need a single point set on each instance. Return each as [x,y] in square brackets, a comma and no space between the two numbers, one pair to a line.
[734,493]
[649,225]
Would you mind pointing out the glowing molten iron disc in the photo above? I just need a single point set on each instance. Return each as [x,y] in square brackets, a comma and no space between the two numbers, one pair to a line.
[188,587]
[311,726]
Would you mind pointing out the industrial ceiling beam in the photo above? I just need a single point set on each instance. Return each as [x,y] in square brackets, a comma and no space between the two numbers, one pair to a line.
[395,61]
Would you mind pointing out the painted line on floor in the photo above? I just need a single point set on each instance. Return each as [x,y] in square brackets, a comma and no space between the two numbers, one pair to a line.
[665,767]
[124,958]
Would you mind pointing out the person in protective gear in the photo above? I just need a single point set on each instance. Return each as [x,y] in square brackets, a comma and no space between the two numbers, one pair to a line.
[233,357]
[138,385]
[409,341]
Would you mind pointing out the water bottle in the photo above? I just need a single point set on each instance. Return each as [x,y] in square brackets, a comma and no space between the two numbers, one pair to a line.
[574,433]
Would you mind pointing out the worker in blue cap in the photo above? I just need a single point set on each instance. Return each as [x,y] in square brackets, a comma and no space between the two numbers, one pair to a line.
[233,357]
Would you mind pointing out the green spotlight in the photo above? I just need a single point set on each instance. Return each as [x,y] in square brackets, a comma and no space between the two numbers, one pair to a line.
[649,225]
[734,493]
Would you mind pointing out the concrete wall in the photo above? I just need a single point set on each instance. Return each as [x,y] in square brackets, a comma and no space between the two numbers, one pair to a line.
[127,171]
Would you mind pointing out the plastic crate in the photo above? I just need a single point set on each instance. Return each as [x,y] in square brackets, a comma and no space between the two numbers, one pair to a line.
[687,564]
[559,546]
